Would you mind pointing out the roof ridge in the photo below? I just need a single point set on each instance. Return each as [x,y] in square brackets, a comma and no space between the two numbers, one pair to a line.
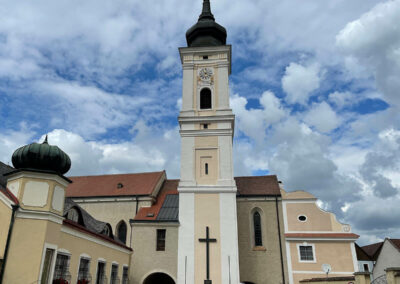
[256,176]
[104,175]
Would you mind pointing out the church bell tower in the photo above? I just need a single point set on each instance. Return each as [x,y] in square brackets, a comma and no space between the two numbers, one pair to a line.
[208,239]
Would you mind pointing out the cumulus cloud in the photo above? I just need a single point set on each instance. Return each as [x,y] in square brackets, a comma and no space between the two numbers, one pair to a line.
[374,41]
[342,99]
[322,117]
[137,155]
[300,81]
[385,157]
[253,122]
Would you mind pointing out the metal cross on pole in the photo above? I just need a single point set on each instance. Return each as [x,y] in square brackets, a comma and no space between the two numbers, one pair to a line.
[207,240]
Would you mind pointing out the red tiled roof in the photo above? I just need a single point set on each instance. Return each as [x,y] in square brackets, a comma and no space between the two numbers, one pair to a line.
[372,249]
[322,235]
[107,185]
[81,228]
[9,194]
[169,187]
[258,185]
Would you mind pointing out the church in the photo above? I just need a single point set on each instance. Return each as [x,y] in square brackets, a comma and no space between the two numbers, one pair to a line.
[208,227]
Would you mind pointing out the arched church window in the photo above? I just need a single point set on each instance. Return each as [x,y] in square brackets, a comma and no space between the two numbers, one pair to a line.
[257,229]
[73,215]
[121,231]
[205,98]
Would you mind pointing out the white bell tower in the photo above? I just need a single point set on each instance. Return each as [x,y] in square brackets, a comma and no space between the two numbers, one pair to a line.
[208,239]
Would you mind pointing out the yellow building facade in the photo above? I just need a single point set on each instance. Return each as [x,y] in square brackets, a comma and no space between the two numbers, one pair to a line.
[317,245]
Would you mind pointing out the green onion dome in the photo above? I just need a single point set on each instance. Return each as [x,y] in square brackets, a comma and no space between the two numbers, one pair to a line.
[206,32]
[41,157]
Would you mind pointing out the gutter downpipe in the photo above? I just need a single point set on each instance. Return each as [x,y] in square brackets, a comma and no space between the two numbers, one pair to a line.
[10,228]
[280,241]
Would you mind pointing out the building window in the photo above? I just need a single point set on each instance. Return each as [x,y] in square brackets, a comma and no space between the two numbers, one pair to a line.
[48,259]
[125,277]
[306,253]
[206,168]
[366,268]
[205,126]
[73,215]
[61,271]
[205,98]
[101,273]
[121,231]
[161,240]
[114,274]
[83,272]
[257,229]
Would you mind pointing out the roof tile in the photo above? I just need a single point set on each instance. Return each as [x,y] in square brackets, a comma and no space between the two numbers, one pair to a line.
[107,185]
[258,185]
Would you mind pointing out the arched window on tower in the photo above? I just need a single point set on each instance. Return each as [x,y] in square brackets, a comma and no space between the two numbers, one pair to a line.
[257,229]
[121,231]
[205,98]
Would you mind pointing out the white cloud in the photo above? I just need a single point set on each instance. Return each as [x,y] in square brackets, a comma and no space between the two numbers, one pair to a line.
[13,139]
[322,117]
[374,40]
[300,81]
[138,155]
[342,99]
[253,122]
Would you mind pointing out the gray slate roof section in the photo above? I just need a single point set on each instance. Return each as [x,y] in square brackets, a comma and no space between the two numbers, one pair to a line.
[88,221]
[170,209]
[4,169]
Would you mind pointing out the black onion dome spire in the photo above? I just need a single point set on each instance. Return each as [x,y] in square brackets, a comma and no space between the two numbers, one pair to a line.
[206,32]
[42,157]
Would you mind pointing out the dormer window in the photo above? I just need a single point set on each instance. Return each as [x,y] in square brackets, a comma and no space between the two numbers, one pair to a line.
[205,98]
[120,185]
[73,215]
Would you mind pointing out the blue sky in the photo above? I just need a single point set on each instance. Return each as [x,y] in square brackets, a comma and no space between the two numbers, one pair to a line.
[314,87]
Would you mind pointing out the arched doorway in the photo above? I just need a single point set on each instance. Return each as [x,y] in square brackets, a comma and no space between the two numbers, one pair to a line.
[159,278]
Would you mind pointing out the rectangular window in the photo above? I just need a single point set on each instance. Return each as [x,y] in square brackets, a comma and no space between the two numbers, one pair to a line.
[83,273]
[205,126]
[114,274]
[161,240]
[206,169]
[48,259]
[101,273]
[306,253]
[61,271]
[125,277]
[366,268]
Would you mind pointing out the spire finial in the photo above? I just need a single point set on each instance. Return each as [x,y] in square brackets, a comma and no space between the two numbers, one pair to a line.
[45,140]
[206,13]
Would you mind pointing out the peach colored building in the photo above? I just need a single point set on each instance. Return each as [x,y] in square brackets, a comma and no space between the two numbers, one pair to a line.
[317,245]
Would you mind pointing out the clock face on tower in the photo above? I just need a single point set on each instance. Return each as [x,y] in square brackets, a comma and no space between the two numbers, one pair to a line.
[205,74]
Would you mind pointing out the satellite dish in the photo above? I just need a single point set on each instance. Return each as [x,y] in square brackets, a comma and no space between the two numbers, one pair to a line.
[326,268]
